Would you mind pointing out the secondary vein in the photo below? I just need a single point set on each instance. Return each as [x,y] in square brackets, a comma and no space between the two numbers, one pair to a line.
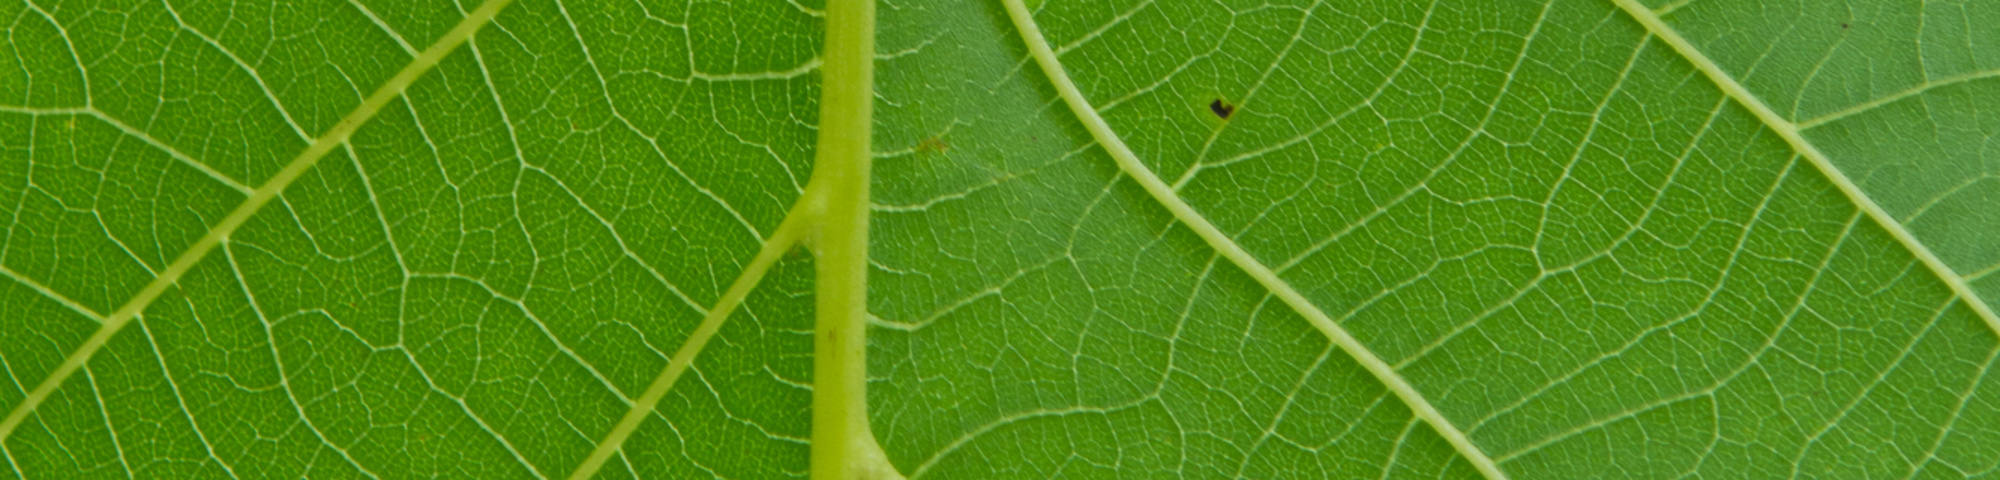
[1128,162]
[1790,132]
[333,137]
[783,239]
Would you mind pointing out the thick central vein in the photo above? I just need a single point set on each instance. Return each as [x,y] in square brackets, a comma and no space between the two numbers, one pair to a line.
[1790,132]
[1129,163]
[843,447]
[263,195]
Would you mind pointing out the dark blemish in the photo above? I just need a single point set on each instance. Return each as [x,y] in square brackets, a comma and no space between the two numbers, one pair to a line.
[1222,110]
[1843,26]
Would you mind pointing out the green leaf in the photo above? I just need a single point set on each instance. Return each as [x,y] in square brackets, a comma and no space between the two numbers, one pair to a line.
[1120,238]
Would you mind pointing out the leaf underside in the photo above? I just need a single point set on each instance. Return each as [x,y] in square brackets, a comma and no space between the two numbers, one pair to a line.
[1559,223]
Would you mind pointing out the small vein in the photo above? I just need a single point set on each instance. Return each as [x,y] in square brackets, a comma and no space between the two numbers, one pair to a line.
[82,72]
[1115,21]
[514,141]
[804,68]
[50,293]
[1671,7]
[1892,98]
[284,376]
[514,453]
[591,59]
[181,401]
[1989,270]
[998,423]
[1798,307]
[540,326]
[1881,377]
[116,444]
[93,112]
[365,11]
[269,94]
[1964,397]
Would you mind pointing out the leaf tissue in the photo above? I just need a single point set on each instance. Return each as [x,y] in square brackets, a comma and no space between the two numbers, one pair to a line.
[975,239]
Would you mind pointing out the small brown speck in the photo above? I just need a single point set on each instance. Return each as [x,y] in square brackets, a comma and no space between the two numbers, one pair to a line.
[933,144]
[1843,26]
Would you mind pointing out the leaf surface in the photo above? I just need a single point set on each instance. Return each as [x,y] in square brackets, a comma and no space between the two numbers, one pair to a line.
[1124,238]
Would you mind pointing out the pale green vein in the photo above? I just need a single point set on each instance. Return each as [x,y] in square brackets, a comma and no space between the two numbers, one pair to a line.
[114,122]
[284,376]
[1669,8]
[180,402]
[1792,313]
[50,294]
[69,45]
[1018,417]
[333,137]
[804,68]
[1940,199]
[1892,98]
[783,239]
[269,93]
[1983,273]
[1038,47]
[1790,132]
[400,42]
[112,430]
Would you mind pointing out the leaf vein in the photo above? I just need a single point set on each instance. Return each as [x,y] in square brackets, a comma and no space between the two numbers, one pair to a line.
[50,293]
[788,234]
[1791,133]
[284,376]
[1129,163]
[334,137]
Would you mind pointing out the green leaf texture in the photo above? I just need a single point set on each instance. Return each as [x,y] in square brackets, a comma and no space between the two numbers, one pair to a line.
[1433,238]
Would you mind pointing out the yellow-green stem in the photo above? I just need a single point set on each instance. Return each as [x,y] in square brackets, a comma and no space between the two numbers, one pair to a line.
[842,446]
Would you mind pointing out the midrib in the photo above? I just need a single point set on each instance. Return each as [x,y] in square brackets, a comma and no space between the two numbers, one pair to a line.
[1790,132]
[1128,162]
[263,195]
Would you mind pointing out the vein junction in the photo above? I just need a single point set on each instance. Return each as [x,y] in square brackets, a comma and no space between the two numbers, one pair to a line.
[796,228]
[258,198]
[1790,132]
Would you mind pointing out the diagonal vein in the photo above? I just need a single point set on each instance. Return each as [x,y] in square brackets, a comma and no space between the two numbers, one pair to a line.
[1790,132]
[333,137]
[50,294]
[1894,97]
[788,233]
[1128,162]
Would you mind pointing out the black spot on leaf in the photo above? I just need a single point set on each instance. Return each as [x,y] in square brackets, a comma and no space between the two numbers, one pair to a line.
[1222,110]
